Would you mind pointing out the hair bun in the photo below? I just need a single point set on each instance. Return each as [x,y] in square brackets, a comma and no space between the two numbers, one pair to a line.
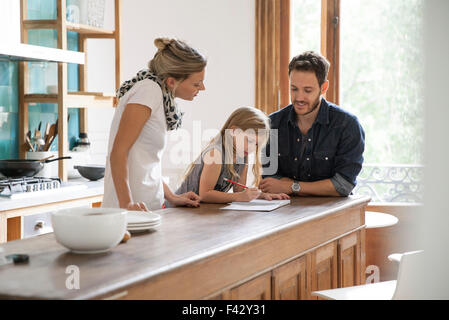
[161,43]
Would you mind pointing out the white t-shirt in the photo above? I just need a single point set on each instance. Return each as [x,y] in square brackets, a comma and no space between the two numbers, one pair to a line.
[144,158]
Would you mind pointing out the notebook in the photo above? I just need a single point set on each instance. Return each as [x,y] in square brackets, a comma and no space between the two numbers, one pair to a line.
[257,205]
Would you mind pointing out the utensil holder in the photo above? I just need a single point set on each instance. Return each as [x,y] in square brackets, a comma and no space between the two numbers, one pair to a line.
[50,169]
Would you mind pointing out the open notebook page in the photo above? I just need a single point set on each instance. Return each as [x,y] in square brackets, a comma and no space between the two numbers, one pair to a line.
[257,205]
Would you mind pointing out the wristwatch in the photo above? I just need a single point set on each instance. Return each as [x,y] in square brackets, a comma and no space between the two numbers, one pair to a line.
[296,187]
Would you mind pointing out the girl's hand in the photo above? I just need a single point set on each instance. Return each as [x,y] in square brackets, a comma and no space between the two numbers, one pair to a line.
[248,195]
[136,206]
[188,199]
[273,196]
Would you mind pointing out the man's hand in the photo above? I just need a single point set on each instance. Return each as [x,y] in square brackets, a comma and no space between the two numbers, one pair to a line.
[272,185]
[273,196]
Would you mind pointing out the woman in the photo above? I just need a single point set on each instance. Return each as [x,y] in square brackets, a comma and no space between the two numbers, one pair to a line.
[146,110]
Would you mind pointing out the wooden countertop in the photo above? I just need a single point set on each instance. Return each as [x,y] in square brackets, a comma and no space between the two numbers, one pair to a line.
[186,236]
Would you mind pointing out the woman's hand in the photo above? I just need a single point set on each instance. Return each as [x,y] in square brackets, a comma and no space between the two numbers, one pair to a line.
[188,199]
[248,195]
[136,206]
[273,196]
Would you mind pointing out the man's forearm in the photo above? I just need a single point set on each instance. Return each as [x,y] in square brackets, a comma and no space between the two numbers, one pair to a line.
[317,188]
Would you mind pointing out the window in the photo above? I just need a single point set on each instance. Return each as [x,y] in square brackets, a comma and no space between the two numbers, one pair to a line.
[305,26]
[375,48]
[381,75]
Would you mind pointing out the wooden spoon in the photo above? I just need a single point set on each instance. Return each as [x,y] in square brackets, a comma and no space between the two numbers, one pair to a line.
[50,137]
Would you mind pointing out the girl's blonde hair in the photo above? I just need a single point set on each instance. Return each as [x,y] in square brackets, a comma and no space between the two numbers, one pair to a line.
[176,59]
[245,118]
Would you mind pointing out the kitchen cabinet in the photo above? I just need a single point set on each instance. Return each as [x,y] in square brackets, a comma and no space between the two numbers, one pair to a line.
[324,267]
[256,289]
[333,265]
[62,97]
[349,256]
[219,254]
[290,281]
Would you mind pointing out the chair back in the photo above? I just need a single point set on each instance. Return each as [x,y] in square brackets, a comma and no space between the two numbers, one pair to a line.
[409,270]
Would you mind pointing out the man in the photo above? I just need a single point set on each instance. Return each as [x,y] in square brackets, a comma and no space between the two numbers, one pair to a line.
[320,145]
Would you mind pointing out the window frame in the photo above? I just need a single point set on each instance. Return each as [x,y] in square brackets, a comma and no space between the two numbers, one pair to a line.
[273,51]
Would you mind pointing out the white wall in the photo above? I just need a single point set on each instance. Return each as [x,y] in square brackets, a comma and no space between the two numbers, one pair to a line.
[431,280]
[222,30]
[9,21]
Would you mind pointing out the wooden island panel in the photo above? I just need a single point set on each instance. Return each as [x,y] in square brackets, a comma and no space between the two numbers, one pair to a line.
[196,253]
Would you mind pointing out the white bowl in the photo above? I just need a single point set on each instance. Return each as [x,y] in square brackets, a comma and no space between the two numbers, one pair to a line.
[89,230]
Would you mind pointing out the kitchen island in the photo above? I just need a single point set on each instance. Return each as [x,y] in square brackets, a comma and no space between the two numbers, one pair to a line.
[315,243]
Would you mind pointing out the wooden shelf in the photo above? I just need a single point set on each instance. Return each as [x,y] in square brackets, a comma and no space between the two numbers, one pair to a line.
[71,26]
[89,30]
[40,98]
[82,99]
[89,99]
[40,24]
[75,99]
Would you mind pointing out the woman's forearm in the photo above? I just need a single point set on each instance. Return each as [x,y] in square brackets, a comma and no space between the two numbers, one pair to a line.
[119,170]
[168,194]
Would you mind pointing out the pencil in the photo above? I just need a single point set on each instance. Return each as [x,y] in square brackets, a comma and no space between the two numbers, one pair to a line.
[229,180]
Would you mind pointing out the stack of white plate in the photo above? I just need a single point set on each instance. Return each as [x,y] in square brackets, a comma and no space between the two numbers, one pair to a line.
[137,221]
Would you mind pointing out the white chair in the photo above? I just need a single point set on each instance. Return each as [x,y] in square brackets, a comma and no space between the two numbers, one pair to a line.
[396,257]
[385,290]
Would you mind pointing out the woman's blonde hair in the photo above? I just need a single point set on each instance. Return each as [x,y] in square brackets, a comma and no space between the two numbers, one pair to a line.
[176,59]
[245,118]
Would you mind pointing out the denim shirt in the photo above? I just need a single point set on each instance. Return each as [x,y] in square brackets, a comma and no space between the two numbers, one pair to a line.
[332,148]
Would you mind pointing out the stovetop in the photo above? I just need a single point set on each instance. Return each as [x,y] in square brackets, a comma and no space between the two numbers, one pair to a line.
[10,186]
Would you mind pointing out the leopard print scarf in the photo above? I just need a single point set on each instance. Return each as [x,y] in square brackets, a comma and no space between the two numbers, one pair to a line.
[173,115]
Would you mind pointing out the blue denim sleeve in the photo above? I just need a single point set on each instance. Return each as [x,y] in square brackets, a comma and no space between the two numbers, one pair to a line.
[342,186]
[349,156]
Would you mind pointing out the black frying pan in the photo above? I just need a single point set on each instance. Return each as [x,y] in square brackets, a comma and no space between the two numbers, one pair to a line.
[23,168]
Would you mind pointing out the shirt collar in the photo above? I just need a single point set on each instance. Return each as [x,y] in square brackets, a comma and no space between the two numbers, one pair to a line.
[322,116]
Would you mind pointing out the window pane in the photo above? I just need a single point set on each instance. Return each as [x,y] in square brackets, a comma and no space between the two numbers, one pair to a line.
[382,75]
[305,26]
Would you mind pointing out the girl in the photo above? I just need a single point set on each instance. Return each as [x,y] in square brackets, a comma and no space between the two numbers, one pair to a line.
[146,110]
[226,157]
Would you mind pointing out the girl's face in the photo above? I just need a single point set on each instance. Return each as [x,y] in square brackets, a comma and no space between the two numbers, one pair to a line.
[189,87]
[245,142]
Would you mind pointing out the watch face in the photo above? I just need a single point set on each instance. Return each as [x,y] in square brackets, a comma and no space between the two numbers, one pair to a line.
[295,187]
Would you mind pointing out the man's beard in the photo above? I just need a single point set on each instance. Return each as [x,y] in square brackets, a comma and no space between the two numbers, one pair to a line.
[316,105]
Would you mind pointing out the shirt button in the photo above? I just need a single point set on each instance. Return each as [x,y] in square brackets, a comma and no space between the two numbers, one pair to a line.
[296,159]
[294,177]
[297,139]
[279,154]
[308,175]
[307,159]
[326,158]
[310,139]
